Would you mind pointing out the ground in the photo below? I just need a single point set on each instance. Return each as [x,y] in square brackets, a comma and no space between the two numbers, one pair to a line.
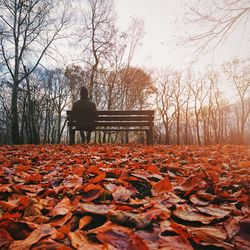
[124,197]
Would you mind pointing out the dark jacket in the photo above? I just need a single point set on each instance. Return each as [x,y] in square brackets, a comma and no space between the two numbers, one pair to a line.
[85,105]
[88,110]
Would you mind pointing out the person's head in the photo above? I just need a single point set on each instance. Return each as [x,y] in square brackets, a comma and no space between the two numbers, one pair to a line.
[84,92]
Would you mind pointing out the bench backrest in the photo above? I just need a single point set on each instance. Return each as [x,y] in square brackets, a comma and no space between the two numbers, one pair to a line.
[111,118]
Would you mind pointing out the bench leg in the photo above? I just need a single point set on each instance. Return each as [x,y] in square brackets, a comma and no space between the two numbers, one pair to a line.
[71,136]
[149,134]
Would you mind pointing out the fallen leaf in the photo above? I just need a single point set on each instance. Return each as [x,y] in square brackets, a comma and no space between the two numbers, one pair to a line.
[79,240]
[119,237]
[98,178]
[214,210]
[173,242]
[5,239]
[62,208]
[34,237]
[84,221]
[207,235]
[163,186]
[129,219]
[189,213]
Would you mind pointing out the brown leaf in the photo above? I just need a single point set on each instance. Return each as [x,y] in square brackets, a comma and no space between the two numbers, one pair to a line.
[8,205]
[189,213]
[50,244]
[241,242]
[60,220]
[173,242]
[209,236]
[196,200]
[245,225]
[95,209]
[34,237]
[232,226]
[157,212]
[62,208]
[121,194]
[129,219]
[119,237]
[216,211]
[79,240]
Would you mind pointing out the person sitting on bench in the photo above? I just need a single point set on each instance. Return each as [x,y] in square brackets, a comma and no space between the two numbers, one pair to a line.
[88,109]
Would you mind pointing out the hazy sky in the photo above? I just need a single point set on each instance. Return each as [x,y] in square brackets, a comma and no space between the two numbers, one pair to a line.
[159,46]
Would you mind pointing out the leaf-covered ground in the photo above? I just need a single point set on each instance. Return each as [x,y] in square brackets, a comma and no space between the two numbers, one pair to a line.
[124,197]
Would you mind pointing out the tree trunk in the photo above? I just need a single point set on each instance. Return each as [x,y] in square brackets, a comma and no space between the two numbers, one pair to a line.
[14,115]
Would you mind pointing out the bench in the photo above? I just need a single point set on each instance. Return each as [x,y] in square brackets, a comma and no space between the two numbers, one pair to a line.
[109,120]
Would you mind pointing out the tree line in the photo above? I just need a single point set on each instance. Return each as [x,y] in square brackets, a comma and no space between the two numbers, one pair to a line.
[190,108]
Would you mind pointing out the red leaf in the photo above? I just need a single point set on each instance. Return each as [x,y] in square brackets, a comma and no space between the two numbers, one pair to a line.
[163,186]
[5,239]
[78,170]
[153,169]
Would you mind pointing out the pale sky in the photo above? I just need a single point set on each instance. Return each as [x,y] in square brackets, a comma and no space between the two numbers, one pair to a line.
[159,47]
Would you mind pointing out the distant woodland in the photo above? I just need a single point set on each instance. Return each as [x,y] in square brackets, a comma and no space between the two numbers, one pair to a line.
[201,108]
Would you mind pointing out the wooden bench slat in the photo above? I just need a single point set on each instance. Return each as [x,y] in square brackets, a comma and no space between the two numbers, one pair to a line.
[113,118]
[112,124]
[125,112]
[116,112]
[124,118]
[123,124]
[122,129]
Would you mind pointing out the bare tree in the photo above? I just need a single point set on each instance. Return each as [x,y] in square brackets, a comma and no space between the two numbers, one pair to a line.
[98,37]
[27,30]
[200,93]
[134,36]
[211,23]
[164,102]
[238,71]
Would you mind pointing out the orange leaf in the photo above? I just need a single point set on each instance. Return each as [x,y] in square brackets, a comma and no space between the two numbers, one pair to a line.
[60,220]
[154,169]
[84,221]
[163,186]
[94,169]
[79,241]
[99,178]
[62,208]
[22,168]
[78,170]
[33,178]
[25,201]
